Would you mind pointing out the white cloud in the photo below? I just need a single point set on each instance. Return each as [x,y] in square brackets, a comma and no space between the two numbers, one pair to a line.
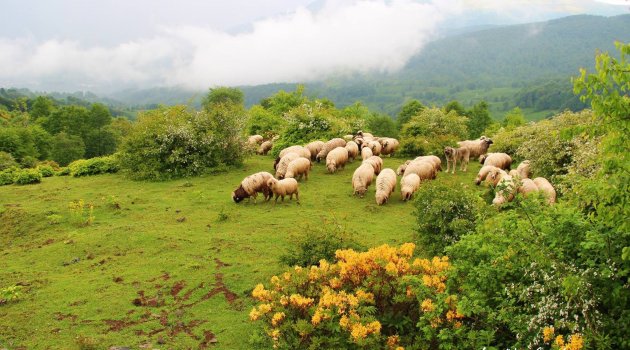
[342,36]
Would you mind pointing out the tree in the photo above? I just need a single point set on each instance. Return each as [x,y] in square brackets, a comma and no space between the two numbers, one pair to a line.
[282,101]
[514,118]
[431,131]
[223,95]
[408,110]
[67,148]
[382,125]
[42,107]
[478,120]
[100,142]
[98,117]
[261,121]
[455,106]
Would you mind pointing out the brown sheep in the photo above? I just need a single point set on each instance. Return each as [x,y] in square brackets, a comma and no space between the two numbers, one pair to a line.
[499,160]
[251,186]
[329,146]
[476,147]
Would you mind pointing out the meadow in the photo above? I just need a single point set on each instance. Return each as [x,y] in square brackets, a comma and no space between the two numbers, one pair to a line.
[165,264]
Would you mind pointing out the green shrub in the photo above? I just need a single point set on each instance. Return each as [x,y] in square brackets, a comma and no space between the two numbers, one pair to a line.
[445,213]
[7,176]
[45,170]
[28,176]
[64,171]
[430,131]
[93,166]
[7,161]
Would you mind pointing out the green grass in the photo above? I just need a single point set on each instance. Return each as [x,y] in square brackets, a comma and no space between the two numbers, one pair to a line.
[193,252]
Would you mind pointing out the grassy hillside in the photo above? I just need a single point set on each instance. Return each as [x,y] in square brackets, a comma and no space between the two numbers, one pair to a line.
[170,262]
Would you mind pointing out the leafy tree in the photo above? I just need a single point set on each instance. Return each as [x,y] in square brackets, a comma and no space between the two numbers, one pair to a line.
[100,142]
[71,119]
[263,122]
[431,131]
[455,106]
[382,125]
[223,95]
[99,116]
[478,120]
[409,109]
[42,107]
[67,148]
[514,118]
[282,101]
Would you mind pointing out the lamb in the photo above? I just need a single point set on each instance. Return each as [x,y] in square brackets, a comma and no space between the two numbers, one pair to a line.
[483,173]
[353,149]
[366,153]
[376,162]
[423,168]
[524,169]
[527,186]
[286,187]
[376,147]
[546,187]
[390,145]
[499,160]
[255,140]
[299,167]
[385,185]
[264,148]
[409,184]
[453,155]
[337,158]
[476,147]
[314,147]
[362,178]
[251,186]
[329,146]
[283,164]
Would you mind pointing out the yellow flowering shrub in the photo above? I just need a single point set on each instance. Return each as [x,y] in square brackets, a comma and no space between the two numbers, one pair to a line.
[383,298]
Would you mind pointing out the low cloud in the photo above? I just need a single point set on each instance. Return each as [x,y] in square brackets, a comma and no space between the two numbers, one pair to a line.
[339,37]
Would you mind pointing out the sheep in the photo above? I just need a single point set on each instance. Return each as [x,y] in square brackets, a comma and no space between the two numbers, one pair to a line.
[285,187]
[362,178]
[483,173]
[401,169]
[366,153]
[353,149]
[299,167]
[337,158]
[365,135]
[495,175]
[453,155]
[255,140]
[264,148]
[385,185]
[409,184]
[545,186]
[329,146]
[300,150]
[476,147]
[423,168]
[437,162]
[527,186]
[505,190]
[251,186]
[524,169]
[376,147]
[314,147]
[376,162]
[283,164]
[499,160]
[390,145]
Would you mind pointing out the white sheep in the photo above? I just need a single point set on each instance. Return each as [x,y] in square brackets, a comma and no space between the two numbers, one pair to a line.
[362,178]
[390,145]
[505,189]
[255,140]
[353,150]
[336,159]
[423,168]
[409,184]
[329,146]
[437,162]
[285,187]
[299,168]
[499,160]
[527,186]
[545,186]
[401,169]
[376,147]
[376,162]
[524,169]
[251,186]
[385,185]
[264,148]
[314,147]
[283,164]
[366,153]
[495,175]
[476,147]
[300,150]
[484,172]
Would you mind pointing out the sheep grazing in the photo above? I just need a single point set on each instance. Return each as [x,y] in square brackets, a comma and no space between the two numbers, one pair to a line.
[282,188]
[524,170]
[299,168]
[283,164]
[390,145]
[545,186]
[255,140]
[453,155]
[366,153]
[365,135]
[329,146]
[499,160]
[376,147]
[437,162]
[336,159]
[483,173]
[376,162]
[264,148]
[252,185]
[476,147]
[362,178]
[401,169]
[385,185]
[495,175]
[409,184]
[314,147]
[423,168]
[505,190]
[527,186]
[353,150]
[300,150]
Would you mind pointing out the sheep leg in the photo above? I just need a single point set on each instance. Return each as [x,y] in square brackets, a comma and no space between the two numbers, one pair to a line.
[297,198]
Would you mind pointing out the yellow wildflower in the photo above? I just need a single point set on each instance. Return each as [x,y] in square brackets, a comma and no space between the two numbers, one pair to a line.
[264,308]
[335,283]
[363,296]
[559,341]
[261,294]
[391,269]
[277,318]
[576,342]
[254,314]
[284,300]
[427,305]
[400,348]
[300,301]
[548,334]
[407,249]
[344,321]
[317,318]
[392,341]
[374,327]
[358,331]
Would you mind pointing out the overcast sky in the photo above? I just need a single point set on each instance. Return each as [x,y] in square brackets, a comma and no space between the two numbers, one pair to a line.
[102,46]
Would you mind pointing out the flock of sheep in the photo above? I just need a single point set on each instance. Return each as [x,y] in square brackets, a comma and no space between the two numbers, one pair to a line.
[295,162]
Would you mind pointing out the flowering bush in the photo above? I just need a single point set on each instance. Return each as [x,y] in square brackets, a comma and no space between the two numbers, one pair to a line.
[431,131]
[382,298]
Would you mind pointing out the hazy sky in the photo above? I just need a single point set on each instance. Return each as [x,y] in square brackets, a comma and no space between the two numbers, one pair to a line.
[107,45]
